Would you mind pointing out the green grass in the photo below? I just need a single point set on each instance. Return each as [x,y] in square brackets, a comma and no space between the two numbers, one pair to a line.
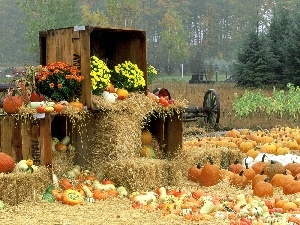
[178,78]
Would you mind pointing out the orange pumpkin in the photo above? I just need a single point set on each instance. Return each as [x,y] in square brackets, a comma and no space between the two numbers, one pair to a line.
[236,167]
[194,172]
[258,167]
[72,197]
[210,174]
[263,189]
[7,163]
[238,180]
[58,107]
[11,104]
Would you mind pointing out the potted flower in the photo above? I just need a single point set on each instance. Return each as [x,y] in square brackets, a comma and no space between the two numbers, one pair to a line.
[100,75]
[128,76]
[58,81]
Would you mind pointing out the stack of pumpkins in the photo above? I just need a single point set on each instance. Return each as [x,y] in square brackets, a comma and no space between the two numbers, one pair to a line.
[147,151]
[263,176]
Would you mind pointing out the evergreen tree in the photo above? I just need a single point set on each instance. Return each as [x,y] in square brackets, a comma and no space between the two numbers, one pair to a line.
[277,33]
[255,62]
[292,52]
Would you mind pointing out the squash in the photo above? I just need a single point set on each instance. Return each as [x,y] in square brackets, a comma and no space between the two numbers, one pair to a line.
[7,163]
[77,105]
[122,93]
[66,140]
[72,197]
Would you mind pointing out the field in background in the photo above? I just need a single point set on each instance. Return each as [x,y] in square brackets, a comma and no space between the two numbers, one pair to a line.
[194,93]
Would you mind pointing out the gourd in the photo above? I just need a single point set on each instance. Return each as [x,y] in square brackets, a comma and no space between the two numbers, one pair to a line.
[72,197]
[65,140]
[207,208]
[122,191]
[7,163]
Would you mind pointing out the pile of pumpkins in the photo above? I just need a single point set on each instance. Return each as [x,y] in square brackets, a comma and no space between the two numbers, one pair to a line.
[78,186]
[268,161]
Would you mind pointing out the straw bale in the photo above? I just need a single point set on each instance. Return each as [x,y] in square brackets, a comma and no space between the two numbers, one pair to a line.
[62,161]
[138,174]
[18,187]
[117,128]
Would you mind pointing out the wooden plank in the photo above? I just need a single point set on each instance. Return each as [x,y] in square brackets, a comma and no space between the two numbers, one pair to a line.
[26,139]
[173,134]
[7,129]
[45,141]
[85,54]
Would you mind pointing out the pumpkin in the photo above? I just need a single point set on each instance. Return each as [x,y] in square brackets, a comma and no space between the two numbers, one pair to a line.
[194,172]
[236,167]
[249,173]
[77,105]
[273,167]
[7,163]
[72,197]
[291,187]
[263,189]
[280,179]
[110,88]
[58,107]
[122,93]
[245,146]
[258,166]
[238,180]
[257,178]
[11,104]
[61,147]
[146,137]
[292,166]
[210,174]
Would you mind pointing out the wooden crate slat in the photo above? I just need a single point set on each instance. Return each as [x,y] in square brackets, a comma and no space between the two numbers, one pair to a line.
[45,141]
[26,140]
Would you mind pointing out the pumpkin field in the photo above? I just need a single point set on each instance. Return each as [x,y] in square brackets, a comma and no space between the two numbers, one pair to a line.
[244,173]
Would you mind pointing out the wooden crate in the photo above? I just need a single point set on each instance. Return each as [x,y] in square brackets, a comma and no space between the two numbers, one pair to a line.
[168,132]
[76,45]
[31,138]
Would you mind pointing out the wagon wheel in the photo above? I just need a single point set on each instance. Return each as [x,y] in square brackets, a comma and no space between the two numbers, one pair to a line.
[211,107]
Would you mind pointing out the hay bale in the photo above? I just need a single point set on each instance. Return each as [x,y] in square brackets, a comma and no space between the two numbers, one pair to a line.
[18,187]
[138,174]
[62,161]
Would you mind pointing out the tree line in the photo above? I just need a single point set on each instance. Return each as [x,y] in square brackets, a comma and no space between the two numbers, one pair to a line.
[200,34]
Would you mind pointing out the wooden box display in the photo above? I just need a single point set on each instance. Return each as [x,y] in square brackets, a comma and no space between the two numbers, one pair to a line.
[76,45]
